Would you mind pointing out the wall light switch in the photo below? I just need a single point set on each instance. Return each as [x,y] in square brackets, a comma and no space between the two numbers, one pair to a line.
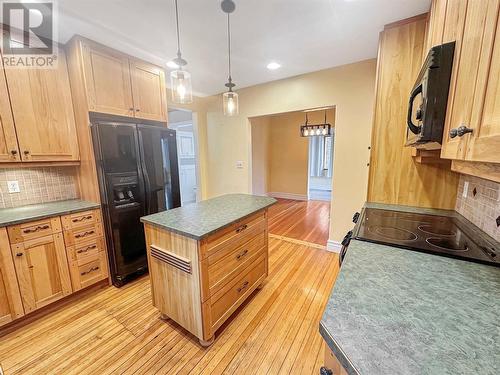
[239,164]
[466,189]
[13,186]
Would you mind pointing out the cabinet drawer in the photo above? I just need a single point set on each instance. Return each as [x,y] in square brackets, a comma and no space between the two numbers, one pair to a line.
[84,274]
[82,251]
[235,235]
[231,296]
[83,235]
[34,229]
[80,219]
[227,264]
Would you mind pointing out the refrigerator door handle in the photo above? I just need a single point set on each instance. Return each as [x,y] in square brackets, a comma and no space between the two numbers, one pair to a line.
[144,172]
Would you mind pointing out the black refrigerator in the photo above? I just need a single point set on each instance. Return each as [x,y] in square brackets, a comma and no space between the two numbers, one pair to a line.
[138,175]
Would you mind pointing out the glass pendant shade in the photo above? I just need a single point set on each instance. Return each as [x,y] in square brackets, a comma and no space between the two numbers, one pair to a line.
[180,87]
[230,103]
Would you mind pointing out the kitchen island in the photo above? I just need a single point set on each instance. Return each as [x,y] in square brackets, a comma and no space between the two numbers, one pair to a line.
[205,259]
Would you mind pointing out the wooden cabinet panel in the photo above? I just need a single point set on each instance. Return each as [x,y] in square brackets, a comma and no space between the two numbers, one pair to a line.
[9,151]
[43,112]
[34,229]
[42,271]
[10,298]
[107,80]
[80,219]
[149,92]
[484,142]
[88,270]
[436,24]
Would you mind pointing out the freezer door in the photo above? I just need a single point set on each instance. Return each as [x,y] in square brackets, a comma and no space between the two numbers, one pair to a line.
[158,158]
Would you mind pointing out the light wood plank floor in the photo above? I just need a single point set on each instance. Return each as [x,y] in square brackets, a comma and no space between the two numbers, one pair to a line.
[301,220]
[118,331]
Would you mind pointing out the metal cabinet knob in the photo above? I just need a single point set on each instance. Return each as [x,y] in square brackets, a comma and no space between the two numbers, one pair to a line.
[460,131]
[19,254]
[26,152]
[324,371]
[14,152]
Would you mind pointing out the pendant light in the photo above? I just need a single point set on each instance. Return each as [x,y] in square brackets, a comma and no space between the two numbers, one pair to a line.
[229,98]
[180,79]
[324,129]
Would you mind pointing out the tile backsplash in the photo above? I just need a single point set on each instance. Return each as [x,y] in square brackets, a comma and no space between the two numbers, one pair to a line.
[37,185]
[482,204]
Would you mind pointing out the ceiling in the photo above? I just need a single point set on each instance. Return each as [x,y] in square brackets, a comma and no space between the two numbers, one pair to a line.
[302,35]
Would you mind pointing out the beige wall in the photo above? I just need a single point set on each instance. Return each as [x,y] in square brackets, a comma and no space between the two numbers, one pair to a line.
[350,88]
[283,166]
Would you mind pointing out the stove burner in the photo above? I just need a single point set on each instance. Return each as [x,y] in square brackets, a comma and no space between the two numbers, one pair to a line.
[438,231]
[393,233]
[447,244]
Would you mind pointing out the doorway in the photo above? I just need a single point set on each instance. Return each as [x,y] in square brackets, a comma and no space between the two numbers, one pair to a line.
[321,167]
[182,122]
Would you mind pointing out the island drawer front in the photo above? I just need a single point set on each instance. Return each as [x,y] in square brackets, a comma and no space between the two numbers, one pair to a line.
[224,266]
[80,219]
[84,274]
[34,229]
[82,251]
[235,235]
[84,234]
[232,295]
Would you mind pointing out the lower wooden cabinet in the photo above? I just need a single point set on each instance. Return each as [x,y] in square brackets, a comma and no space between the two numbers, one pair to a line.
[11,306]
[45,260]
[42,270]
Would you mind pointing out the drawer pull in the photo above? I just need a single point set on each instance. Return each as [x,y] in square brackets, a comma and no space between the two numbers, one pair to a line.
[89,271]
[242,254]
[86,249]
[36,229]
[85,234]
[242,228]
[243,287]
[19,254]
[82,218]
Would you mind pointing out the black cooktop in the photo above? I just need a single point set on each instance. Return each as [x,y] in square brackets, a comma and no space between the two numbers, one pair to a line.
[442,235]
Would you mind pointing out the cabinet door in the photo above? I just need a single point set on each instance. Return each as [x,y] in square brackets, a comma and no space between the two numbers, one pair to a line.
[42,271]
[43,112]
[475,16]
[436,24]
[107,80]
[149,92]
[484,142]
[10,299]
[8,142]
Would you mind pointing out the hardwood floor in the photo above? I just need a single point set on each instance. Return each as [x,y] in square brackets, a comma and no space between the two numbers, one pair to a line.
[118,331]
[300,220]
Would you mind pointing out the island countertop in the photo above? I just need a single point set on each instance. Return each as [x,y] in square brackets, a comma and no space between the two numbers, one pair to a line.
[198,220]
[395,311]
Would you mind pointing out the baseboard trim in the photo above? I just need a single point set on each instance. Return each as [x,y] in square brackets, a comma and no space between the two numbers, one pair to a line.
[297,197]
[333,246]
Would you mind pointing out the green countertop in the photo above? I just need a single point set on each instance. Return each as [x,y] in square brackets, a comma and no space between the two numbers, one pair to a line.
[22,214]
[198,220]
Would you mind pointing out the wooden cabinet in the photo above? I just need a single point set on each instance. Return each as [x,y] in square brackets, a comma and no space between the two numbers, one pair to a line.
[121,85]
[200,284]
[9,152]
[43,113]
[474,91]
[10,297]
[42,270]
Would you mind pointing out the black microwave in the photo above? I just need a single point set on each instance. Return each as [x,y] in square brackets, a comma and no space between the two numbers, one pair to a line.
[429,99]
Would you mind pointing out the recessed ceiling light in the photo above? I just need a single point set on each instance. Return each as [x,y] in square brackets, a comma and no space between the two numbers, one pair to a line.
[172,65]
[273,65]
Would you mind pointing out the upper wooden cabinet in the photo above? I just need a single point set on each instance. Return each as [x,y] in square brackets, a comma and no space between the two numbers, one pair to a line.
[9,151]
[10,298]
[121,85]
[43,112]
[474,96]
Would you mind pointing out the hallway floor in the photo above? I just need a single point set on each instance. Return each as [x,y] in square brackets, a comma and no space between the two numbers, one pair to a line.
[307,221]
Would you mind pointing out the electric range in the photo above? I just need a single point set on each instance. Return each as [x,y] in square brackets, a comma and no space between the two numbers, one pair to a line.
[450,236]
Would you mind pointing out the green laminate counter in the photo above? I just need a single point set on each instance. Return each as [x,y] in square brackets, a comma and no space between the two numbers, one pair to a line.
[23,214]
[198,220]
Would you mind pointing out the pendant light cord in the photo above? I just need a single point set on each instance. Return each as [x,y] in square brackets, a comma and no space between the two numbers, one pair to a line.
[228,47]
[177,26]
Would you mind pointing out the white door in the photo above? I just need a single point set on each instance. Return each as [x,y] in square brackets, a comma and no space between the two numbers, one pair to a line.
[187,166]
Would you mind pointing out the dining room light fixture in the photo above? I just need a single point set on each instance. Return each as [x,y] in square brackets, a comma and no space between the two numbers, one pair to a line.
[180,78]
[229,99]
[311,130]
